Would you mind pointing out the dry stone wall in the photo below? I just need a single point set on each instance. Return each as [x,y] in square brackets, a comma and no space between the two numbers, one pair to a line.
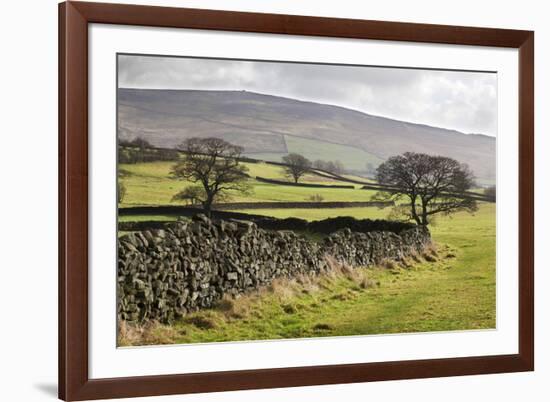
[165,273]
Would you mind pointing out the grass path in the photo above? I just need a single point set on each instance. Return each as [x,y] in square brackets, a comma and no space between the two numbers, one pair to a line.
[456,292]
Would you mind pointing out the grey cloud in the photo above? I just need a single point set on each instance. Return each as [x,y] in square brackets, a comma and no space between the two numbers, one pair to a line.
[465,101]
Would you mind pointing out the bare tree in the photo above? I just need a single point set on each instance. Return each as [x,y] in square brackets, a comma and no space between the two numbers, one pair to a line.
[336,166]
[141,143]
[213,163]
[296,166]
[430,184]
[319,164]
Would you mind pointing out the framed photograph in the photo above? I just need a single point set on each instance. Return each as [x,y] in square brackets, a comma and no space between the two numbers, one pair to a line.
[260,200]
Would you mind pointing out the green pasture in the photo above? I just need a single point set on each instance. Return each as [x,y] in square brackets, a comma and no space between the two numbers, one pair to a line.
[275,192]
[353,158]
[457,292]
[275,172]
[267,156]
[151,184]
[454,292]
[310,214]
[359,178]
[145,218]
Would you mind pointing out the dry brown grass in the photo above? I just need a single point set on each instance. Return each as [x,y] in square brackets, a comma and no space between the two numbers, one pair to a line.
[358,276]
[430,253]
[282,288]
[388,263]
[234,308]
[149,333]
[445,251]
[366,283]
[339,269]
[415,257]
[407,262]
[308,283]
[201,322]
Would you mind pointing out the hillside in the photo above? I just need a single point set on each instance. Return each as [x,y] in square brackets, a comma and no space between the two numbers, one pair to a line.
[269,127]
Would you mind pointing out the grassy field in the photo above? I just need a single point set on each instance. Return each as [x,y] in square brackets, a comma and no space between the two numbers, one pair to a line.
[453,291]
[322,213]
[151,184]
[141,218]
[302,213]
[353,158]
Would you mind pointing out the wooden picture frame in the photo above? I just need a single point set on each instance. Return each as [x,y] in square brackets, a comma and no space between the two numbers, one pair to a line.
[74,381]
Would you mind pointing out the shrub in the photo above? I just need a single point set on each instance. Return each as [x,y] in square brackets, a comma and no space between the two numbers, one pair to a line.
[201,322]
[316,198]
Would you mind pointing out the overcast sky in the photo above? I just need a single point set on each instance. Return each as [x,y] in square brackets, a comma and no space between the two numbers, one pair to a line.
[464,101]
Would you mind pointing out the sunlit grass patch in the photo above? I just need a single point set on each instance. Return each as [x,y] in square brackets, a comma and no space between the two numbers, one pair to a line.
[342,301]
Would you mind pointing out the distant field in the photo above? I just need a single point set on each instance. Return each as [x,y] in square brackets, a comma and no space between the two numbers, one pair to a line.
[151,184]
[353,158]
[267,156]
[302,213]
[485,182]
[358,178]
[141,218]
[269,171]
[319,214]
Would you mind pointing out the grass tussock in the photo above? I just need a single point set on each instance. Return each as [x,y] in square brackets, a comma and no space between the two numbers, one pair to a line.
[282,288]
[337,269]
[388,263]
[289,308]
[149,333]
[233,308]
[322,327]
[407,262]
[415,257]
[201,321]
[430,253]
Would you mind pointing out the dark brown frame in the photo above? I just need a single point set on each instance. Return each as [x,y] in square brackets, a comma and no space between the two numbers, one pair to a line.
[74,18]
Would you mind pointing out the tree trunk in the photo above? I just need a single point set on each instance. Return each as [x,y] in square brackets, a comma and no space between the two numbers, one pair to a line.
[207,205]
[424,214]
[414,213]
